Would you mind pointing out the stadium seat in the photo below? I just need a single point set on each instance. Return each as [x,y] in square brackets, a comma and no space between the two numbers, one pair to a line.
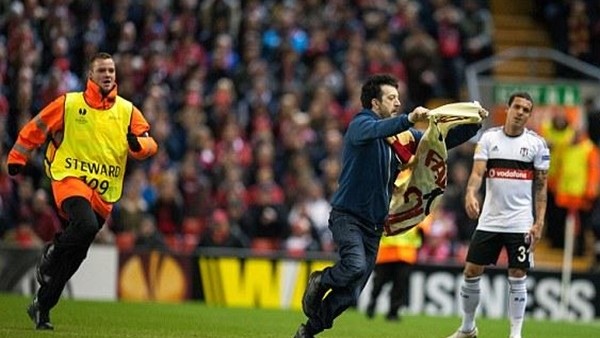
[193,225]
[190,242]
[125,241]
[263,245]
[174,243]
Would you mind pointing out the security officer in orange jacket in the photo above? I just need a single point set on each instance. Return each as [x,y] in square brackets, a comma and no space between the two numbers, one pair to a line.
[90,135]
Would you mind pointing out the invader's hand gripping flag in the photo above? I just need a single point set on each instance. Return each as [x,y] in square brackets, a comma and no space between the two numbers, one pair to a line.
[422,181]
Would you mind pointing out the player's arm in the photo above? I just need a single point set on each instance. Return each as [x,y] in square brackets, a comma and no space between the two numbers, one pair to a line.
[472,206]
[540,187]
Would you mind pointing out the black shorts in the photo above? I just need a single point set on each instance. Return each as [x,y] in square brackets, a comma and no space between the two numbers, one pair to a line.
[486,246]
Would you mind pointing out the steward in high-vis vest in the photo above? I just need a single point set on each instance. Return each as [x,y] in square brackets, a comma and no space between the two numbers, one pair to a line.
[579,175]
[396,255]
[89,134]
[559,134]
[578,186]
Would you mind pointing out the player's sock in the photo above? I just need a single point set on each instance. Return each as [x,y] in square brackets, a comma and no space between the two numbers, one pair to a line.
[469,293]
[517,300]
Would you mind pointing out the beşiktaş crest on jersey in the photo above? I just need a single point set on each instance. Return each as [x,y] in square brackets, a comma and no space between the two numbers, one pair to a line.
[420,185]
[524,151]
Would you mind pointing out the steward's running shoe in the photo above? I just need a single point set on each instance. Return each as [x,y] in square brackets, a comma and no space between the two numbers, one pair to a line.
[303,332]
[40,318]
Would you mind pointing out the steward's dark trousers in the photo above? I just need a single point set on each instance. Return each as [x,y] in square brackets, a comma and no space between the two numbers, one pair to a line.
[357,243]
[68,250]
[396,273]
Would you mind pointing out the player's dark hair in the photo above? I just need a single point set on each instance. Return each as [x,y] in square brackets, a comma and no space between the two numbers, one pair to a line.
[371,89]
[523,95]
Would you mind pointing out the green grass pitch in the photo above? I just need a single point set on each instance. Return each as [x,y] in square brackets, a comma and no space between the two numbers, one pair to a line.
[119,319]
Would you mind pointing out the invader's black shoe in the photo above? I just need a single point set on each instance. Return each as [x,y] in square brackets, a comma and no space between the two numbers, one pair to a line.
[40,318]
[303,332]
[313,295]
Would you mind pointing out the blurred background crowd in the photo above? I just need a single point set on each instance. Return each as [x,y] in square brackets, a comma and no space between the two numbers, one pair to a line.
[249,101]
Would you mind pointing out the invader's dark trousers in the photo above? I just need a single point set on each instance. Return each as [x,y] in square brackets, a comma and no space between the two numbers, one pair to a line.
[64,255]
[357,244]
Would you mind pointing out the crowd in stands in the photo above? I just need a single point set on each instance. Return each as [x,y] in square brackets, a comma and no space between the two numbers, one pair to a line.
[248,100]
[574,27]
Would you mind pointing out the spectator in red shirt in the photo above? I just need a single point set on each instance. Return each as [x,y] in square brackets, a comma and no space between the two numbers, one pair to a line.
[44,219]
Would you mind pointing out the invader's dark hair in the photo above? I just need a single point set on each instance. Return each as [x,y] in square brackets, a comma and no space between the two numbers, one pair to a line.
[371,89]
[523,95]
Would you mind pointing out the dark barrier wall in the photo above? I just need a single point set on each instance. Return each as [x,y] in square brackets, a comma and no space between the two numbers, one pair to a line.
[271,282]
[15,264]
[434,290]
[239,278]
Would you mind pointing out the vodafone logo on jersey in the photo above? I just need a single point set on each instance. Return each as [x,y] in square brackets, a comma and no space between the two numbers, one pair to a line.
[515,174]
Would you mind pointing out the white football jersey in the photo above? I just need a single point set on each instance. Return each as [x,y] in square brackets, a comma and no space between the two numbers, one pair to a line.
[511,165]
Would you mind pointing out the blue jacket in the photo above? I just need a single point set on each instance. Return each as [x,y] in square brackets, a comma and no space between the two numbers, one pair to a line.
[369,167]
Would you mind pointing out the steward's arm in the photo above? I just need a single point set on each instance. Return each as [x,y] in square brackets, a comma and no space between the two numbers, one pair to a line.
[141,129]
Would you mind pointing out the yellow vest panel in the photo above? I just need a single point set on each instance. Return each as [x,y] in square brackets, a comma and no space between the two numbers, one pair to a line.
[574,174]
[400,248]
[94,146]
[559,141]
